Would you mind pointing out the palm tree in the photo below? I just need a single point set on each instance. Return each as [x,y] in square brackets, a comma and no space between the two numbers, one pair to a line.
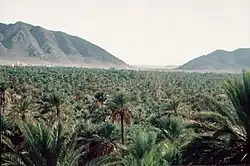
[142,143]
[143,151]
[52,102]
[173,105]
[98,144]
[44,147]
[121,111]
[23,108]
[2,100]
[238,92]
[172,132]
[98,111]
[6,126]
[225,127]
[10,133]
[3,88]
[100,97]
[172,128]
[6,132]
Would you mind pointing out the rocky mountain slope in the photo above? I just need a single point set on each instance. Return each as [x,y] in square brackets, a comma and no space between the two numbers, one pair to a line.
[221,60]
[36,45]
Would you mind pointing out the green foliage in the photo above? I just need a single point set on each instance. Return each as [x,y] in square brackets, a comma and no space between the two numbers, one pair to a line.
[226,128]
[73,116]
[44,146]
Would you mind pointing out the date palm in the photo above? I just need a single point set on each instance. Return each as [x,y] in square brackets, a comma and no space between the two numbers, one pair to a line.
[2,100]
[52,103]
[172,131]
[22,109]
[120,110]
[142,142]
[100,97]
[226,130]
[44,147]
[143,151]
[174,107]
[3,96]
[6,133]
[98,143]
[238,92]
[10,132]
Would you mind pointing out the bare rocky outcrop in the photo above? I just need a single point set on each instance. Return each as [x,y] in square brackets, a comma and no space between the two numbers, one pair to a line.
[37,45]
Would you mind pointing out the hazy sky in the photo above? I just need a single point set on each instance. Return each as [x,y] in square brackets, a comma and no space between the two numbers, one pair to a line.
[154,32]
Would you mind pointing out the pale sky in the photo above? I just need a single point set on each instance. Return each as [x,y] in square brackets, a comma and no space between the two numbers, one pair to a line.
[151,32]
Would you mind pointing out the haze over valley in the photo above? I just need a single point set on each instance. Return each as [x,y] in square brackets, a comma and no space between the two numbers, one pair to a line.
[34,45]
[152,34]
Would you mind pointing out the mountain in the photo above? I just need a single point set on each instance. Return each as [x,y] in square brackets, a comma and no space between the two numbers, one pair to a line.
[221,60]
[36,45]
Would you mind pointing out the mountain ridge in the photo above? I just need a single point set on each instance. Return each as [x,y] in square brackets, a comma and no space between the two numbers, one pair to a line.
[220,60]
[34,44]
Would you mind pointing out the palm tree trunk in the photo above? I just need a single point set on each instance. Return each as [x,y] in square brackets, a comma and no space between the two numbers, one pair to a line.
[58,114]
[54,158]
[247,151]
[23,117]
[3,103]
[122,126]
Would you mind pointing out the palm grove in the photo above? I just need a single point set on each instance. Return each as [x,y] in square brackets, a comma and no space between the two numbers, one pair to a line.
[71,116]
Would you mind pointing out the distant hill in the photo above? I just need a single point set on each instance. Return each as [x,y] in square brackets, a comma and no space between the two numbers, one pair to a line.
[154,67]
[221,60]
[36,45]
